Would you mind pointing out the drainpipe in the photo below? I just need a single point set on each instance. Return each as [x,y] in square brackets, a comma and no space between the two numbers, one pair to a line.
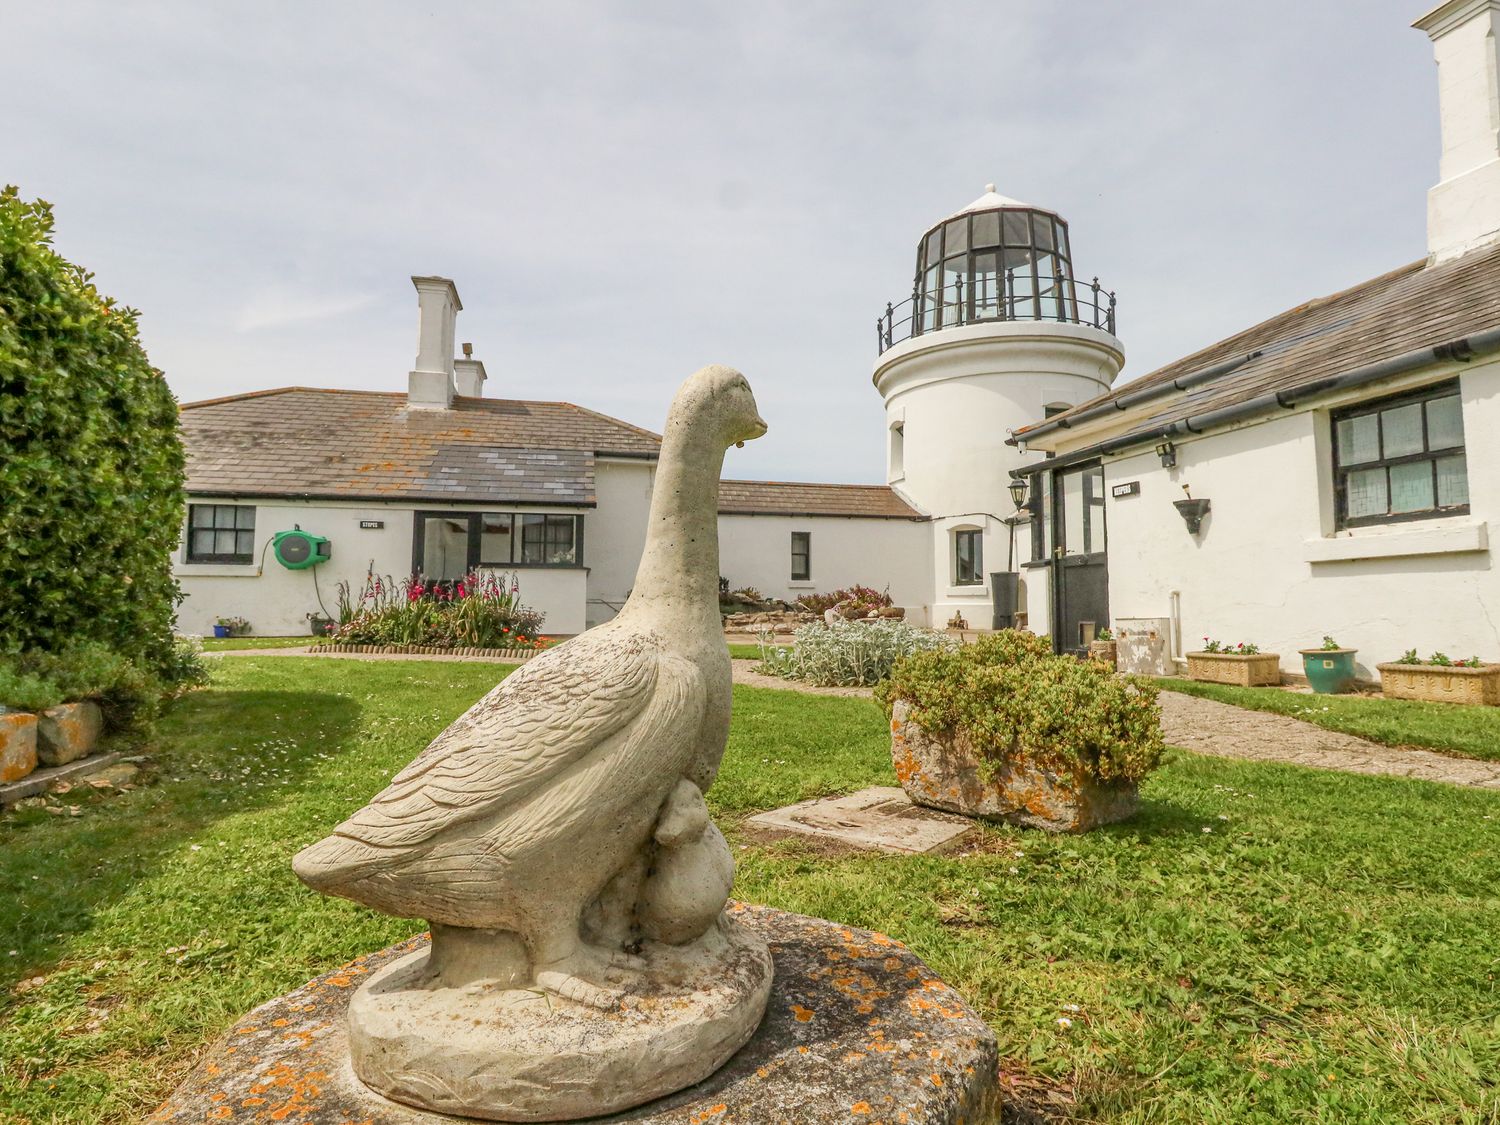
[1174,641]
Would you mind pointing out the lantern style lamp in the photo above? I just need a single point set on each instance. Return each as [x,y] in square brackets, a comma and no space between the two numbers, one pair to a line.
[1018,490]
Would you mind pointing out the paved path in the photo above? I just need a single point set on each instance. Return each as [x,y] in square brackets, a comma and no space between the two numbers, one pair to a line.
[1204,725]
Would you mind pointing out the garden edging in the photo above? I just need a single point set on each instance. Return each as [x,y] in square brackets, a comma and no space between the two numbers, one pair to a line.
[519,655]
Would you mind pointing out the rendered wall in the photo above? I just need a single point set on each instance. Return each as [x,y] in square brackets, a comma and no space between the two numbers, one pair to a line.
[757,551]
[1268,566]
[615,533]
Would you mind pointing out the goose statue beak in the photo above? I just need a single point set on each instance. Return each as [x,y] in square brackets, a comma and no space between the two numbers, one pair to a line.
[758,428]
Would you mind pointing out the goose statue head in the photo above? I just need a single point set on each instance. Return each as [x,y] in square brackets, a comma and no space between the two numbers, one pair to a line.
[716,403]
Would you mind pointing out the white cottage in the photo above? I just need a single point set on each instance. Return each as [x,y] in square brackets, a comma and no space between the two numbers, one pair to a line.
[441,480]
[1332,470]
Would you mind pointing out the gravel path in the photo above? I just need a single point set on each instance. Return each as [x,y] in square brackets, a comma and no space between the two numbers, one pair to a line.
[1204,725]
[1211,727]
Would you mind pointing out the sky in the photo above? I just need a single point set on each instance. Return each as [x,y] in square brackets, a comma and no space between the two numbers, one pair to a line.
[625,192]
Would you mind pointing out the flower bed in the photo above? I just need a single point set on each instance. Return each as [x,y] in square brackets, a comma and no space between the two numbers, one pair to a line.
[479,611]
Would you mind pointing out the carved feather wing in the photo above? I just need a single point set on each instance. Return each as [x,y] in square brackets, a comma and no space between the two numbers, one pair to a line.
[533,725]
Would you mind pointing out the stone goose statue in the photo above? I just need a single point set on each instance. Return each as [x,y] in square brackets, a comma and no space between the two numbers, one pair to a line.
[527,834]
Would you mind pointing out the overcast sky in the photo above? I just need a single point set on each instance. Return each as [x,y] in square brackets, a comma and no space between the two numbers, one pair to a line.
[625,192]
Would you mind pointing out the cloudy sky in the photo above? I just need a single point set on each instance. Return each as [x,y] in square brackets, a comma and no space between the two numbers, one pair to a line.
[624,192]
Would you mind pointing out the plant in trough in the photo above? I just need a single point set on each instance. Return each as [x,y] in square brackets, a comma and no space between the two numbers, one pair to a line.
[1014,698]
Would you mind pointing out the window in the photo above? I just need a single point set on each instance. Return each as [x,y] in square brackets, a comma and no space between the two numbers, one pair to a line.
[548,540]
[221,533]
[1401,458]
[898,451]
[447,545]
[968,557]
[801,556]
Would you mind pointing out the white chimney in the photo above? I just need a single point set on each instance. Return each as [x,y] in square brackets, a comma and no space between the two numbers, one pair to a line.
[1463,210]
[430,386]
[468,374]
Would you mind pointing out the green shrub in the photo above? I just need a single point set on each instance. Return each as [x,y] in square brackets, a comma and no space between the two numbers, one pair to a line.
[847,653]
[130,694]
[91,464]
[1014,698]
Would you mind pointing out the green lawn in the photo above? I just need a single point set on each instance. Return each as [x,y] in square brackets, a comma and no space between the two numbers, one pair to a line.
[226,644]
[1261,943]
[1471,732]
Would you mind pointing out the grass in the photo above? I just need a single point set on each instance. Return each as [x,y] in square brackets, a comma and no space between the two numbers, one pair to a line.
[227,644]
[1262,943]
[1453,728]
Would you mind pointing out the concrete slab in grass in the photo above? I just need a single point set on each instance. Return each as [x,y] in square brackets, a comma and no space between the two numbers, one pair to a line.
[881,818]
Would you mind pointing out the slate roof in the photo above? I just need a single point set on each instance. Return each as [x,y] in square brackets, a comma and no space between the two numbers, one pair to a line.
[336,444]
[1409,308]
[302,442]
[790,498]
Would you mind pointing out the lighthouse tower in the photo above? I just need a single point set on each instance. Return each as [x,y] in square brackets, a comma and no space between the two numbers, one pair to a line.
[998,332]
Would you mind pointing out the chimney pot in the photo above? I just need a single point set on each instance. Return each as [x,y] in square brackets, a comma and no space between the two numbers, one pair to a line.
[430,385]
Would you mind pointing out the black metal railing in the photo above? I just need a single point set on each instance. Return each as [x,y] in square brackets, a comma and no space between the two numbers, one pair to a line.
[989,297]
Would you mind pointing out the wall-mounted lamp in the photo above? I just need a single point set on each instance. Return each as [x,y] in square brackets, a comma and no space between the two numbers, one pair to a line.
[1168,454]
[1018,489]
[1192,511]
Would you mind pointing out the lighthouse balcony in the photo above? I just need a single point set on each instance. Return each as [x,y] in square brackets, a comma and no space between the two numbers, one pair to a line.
[1015,295]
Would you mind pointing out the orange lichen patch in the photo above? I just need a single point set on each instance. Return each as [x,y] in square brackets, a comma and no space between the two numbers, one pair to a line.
[802,1014]
[937,1079]
[222,1113]
[212,1068]
[708,1114]
[861,1108]
[802,1050]
[762,1072]
[253,1101]
[247,1031]
[280,1023]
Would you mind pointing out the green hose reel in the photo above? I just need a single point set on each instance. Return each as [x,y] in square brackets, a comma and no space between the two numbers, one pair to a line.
[298,549]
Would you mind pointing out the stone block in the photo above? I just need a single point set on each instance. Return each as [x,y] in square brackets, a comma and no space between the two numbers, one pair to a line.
[68,732]
[881,818]
[944,772]
[857,1030]
[17,745]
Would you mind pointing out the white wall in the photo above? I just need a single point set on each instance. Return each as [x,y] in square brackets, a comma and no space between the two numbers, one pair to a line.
[1269,567]
[615,533]
[276,601]
[757,551]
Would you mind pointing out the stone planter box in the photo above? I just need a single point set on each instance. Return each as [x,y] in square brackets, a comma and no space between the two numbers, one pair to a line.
[17,745]
[1259,670]
[943,772]
[1105,651]
[68,732]
[1435,683]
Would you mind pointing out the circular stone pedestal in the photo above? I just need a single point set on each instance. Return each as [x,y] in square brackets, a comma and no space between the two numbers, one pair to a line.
[512,1054]
[856,1029]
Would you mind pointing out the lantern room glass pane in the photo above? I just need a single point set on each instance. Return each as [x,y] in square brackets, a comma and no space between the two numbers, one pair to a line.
[1411,487]
[955,270]
[1445,423]
[1016,228]
[986,229]
[931,299]
[1062,240]
[1452,481]
[956,237]
[1401,430]
[1042,225]
[934,249]
[988,286]
[1358,440]
[1367,495]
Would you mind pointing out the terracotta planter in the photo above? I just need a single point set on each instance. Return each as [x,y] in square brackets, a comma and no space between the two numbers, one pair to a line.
[17,745]
[1257,670]
[943,772]
[1106,651]
[1435,683]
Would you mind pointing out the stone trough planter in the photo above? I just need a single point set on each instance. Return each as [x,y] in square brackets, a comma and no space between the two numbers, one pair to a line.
[1436,683]
[1257,670]
[943,772]
[17,745]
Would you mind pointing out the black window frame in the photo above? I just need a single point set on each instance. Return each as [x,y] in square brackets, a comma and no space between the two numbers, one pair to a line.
[241,534]
[1449,388]
[805,556]
[974,535]
[475,524]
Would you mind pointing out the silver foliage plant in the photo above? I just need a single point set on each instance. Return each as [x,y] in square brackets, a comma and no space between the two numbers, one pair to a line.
[846,653]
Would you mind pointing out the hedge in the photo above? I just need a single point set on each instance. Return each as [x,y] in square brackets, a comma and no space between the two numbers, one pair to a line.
[91,462]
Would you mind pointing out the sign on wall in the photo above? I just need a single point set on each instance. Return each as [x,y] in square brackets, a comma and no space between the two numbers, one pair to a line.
[1129,488]
[372,525]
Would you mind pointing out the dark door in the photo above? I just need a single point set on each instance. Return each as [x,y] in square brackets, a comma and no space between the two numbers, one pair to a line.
[1079,566]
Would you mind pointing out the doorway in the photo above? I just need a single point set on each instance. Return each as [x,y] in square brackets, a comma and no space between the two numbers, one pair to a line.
[1079,558]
